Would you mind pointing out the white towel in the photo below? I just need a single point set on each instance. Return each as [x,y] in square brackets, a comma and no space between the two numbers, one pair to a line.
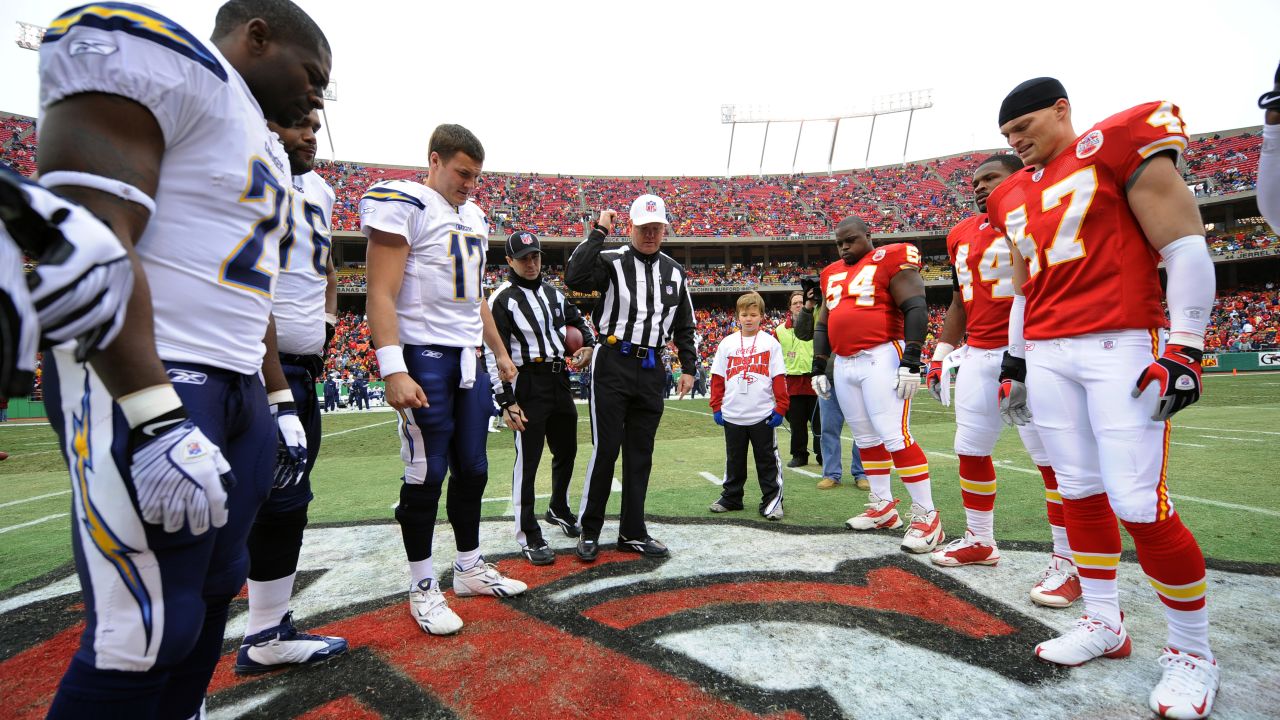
[467,361]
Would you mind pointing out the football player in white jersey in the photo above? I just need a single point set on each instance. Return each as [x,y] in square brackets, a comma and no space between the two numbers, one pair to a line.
[164,137]
[306,297]
[429,321]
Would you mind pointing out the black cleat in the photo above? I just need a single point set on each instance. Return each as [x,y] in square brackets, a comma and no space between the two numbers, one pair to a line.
[645,546]
[796,462]
[568,525]
[540,554]
[588,549]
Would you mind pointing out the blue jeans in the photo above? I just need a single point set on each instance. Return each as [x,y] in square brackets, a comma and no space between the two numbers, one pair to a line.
[832,426]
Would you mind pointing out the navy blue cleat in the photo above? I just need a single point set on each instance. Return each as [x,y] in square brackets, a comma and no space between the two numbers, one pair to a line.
[281,646]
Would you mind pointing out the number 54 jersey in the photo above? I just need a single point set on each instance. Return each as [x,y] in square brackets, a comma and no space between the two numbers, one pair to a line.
[861,313]
[210,251]
[1090,266]
[440,296]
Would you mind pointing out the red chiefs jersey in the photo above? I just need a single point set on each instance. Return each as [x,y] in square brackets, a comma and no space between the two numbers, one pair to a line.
[984,272]
[1090,266]
[861,313]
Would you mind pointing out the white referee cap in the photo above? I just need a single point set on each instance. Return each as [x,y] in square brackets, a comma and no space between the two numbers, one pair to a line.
[648,209]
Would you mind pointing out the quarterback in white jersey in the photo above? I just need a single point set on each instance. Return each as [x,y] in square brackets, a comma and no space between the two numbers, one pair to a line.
[428,320]
[164,137]
[306,294]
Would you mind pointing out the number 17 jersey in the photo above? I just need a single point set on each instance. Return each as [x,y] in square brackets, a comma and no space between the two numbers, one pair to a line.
[440,296]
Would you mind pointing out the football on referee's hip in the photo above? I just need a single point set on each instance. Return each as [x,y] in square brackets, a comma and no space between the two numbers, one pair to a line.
[572,339]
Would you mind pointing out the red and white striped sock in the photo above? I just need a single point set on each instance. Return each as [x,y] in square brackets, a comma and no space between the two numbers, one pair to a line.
[1053,506]
[1095,547]
[1173,563]
[877,462]
[978,493]
[913,468]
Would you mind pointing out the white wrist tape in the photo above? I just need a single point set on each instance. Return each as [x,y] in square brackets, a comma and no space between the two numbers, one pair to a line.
[391,360]
[1017,345]
[331,318]
[111,186]
[1190,289]
[147,403]
[279,396]
[941,352]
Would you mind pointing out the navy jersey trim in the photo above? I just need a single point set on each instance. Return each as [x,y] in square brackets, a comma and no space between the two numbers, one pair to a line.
[139,22]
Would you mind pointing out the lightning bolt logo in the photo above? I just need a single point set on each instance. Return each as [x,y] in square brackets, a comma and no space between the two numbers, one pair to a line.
[139,22]
[110,546]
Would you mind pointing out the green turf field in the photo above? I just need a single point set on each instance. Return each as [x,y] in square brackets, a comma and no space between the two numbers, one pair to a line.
[1223,477]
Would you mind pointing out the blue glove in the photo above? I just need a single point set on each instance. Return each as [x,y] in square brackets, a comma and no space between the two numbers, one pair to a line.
[774,420]
[718,417]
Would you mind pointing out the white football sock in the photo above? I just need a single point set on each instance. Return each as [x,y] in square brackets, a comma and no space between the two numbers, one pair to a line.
[921,492]
[881,486]
[421,570]
[981,523]
[268,603]
[467,559]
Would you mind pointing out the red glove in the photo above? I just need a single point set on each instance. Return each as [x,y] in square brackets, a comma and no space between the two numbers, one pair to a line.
[933,379]
[1178,372]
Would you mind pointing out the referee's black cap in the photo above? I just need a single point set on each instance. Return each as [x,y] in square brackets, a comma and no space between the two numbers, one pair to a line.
[522,243]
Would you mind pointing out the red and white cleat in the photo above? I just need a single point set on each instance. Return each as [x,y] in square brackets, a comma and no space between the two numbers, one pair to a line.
[968,550]
[1059,585]
[1187,688]
[925,532]
[880,515]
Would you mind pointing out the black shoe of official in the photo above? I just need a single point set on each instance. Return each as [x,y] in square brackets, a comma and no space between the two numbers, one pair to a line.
[645,546]
[818,457]
[568,524]
[588,548]
[540,554]
[798,462]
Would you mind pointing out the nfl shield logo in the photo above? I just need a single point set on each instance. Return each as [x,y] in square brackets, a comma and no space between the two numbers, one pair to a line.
[651,206]
[526,238]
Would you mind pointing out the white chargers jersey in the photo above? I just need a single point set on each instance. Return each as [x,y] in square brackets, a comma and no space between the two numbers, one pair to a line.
[298,303]
[211,249]
[439,301]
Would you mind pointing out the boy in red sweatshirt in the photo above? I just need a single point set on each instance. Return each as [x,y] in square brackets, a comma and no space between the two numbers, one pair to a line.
[749,398]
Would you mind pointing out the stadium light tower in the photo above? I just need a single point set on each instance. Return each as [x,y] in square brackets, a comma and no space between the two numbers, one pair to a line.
[29,36]
[907,102]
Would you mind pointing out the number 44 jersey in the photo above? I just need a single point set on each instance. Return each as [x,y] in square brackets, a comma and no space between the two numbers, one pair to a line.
[1090,267]
[440,296]
[984,276]
[861,313]
[211,249]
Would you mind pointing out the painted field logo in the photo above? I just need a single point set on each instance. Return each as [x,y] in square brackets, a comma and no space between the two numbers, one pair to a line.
[742,621]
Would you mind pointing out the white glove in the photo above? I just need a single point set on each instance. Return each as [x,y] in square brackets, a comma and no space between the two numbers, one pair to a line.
[822,386]
[179,474]
[82,280]
[291,459]
[907,383]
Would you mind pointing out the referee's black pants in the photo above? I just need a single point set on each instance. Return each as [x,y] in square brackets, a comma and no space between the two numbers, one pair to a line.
[626,407]
[550,415]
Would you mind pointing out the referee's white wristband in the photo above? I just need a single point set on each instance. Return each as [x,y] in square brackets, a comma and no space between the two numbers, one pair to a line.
[391,360]
[147,403]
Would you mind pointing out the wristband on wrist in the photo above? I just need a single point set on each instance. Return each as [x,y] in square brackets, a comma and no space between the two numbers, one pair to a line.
[143,405]
[391,360]
[600,227]
[330,319]
[941,352]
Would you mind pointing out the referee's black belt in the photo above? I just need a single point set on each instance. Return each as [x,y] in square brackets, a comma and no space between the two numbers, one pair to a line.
[630,349]
[544,365]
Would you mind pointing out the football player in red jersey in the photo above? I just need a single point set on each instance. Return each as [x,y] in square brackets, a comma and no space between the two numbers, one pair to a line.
[875,299]
[983,293]
[1089,220]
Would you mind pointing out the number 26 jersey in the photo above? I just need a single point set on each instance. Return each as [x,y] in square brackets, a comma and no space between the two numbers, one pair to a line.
[1090,266]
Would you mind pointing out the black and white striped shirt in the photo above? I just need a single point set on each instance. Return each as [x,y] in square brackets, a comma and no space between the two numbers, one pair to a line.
[644,299]
[531,316]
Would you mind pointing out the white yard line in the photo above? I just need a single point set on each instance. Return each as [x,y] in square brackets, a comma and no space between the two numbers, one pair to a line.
[713,479]
[1171,442]
[1232,430]
[29,523]
[11,503]
[11,425]
[805,472]
[1235,439]
[362,427]
[615,486]
[1232,506]
[33,454]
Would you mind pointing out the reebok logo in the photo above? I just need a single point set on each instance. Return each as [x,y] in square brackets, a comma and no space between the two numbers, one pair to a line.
[187,377]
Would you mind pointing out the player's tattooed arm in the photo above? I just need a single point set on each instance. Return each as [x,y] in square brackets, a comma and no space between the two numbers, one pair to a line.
[113,137]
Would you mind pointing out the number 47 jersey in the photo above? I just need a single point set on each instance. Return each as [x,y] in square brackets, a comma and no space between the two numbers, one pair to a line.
[1090,267]
[211,249]
[861,313]
[440,296]
[984,276]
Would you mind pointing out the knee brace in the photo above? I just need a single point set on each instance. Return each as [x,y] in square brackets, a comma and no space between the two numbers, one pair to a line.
[275,541]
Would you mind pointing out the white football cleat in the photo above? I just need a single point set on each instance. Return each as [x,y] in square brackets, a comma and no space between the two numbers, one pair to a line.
[925,532]
[484,579]
[1059,585]
[968,550]
[1187,688]
[429,609]
[1090,639]
[880,515]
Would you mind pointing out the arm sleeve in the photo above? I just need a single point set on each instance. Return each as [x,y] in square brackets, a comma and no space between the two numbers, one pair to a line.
[574,317]
[1269,176]
[584,272]
[683,328]
[1017,345]
[1190,289]
[717,392]
[804,324]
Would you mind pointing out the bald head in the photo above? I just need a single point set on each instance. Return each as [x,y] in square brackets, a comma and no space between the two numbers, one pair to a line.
[853,239]
[853,223]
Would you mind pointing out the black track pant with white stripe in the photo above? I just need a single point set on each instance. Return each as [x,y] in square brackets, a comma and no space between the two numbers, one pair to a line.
[626,407]
[550,415]
[764,446]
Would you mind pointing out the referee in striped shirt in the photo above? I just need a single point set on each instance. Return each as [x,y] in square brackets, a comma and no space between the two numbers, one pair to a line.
[644,302]
[531,316]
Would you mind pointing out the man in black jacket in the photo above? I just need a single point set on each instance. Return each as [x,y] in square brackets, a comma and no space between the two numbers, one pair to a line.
[644,303]
[531,316]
